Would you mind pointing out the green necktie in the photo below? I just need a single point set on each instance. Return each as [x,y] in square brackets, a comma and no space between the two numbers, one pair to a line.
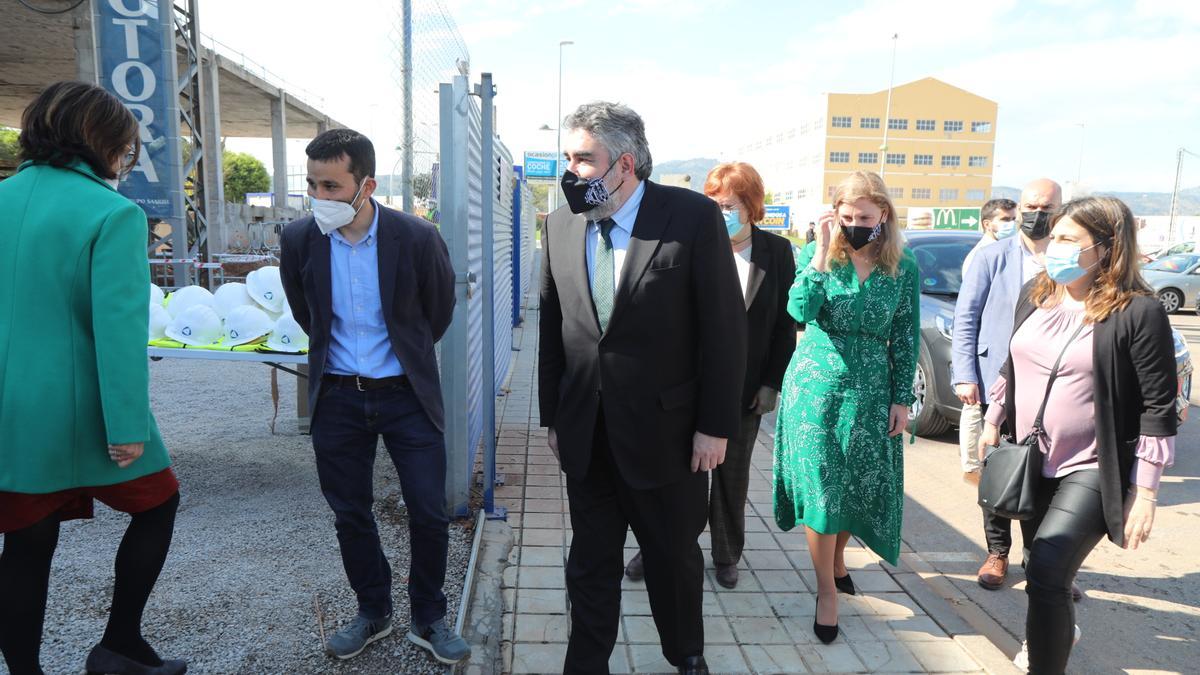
[602,274]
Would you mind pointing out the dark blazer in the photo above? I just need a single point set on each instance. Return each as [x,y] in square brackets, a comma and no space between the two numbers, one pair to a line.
[416,283]
[673,358]
[770,330]
[1136,382]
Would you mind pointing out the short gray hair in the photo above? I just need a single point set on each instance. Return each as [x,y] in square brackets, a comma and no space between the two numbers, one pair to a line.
[618,128]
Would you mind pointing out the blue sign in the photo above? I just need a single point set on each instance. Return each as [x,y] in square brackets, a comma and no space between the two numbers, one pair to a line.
[541,165]
[778,217]
[133,63]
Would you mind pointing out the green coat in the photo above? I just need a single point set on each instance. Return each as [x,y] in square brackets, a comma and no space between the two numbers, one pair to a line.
[836,469]
[74,298]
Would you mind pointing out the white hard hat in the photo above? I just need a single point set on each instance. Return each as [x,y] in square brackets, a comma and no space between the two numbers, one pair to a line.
[287,336]
[160,318]
[197,325]
[186,297]
[230,296]
[246,324]
[266,288]
[156,295]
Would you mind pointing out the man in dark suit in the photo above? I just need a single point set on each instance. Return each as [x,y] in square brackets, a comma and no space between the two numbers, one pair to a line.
[641,362]
[374,290]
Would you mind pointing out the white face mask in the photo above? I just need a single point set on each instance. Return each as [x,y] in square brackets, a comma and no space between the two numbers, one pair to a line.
[332,214]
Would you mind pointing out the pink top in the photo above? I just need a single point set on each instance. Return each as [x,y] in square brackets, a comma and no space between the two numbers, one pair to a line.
[1069,442]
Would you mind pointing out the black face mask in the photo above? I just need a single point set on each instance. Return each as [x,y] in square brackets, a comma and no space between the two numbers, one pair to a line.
[1035,224]
[859,236]
[585,195]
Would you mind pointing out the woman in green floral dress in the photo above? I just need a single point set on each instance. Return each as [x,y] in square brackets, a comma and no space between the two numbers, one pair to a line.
[839,466]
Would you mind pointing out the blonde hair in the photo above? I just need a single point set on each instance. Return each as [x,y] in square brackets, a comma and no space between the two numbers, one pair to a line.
[889,246]
[1110,224]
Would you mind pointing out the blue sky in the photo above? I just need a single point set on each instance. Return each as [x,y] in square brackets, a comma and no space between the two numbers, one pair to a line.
[708,74]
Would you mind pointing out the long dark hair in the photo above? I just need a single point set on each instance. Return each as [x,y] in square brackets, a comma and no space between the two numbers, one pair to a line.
[72,121]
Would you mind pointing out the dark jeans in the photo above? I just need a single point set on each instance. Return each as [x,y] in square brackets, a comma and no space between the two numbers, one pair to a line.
[345,433]
[727,496]
[1069,524]
[667,522]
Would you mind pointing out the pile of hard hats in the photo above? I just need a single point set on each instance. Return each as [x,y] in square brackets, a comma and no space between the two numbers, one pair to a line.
[251,315]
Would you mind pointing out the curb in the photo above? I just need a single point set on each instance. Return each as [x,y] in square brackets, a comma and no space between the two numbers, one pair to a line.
[481,617]
[977,633]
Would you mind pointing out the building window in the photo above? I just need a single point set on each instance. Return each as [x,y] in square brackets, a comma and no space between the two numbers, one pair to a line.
[895,158]
[839,158]
[921,193]
[830,190]
[952,125]
[840,122]
[896,193]
[923,160]
[951,160]
[977,160]
[974,195]
[868,158]
[948,194]
[926,125]
[801,193]
[868,122]
[981,127]
[898,124]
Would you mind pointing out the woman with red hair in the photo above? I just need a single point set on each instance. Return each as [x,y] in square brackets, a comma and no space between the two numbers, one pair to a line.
[765,270]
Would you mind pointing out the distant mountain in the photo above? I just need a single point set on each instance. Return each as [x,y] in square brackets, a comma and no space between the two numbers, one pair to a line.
[1141,203]
[696,168]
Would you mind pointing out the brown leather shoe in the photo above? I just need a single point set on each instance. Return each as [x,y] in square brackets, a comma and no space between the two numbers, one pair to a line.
[971,478]
[994,571]
[634,570]
[727,575]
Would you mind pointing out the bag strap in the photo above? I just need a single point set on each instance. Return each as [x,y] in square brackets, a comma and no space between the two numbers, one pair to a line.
[1037,421]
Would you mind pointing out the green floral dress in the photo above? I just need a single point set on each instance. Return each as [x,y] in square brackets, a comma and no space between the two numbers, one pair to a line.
[835,467]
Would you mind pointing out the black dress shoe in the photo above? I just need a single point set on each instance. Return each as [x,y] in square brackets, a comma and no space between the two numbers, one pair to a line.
[824,633]
[727,575]
[694,665]
[635,570]
[104,661]
[845,584]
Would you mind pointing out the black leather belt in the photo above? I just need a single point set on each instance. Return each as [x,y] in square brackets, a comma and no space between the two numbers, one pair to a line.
[366,383]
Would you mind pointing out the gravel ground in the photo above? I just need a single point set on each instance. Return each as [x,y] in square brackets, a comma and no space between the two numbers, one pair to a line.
[254,543]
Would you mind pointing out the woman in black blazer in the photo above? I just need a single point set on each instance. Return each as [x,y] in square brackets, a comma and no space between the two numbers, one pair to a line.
[766,269]
[1110,421]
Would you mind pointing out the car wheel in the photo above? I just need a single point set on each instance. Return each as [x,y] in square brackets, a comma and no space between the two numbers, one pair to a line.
[925,418]
[1171,299]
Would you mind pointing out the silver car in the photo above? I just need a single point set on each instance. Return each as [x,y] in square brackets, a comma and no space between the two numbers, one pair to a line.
[1176,280]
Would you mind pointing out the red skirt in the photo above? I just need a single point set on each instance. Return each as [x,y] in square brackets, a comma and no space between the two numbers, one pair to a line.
[19,510]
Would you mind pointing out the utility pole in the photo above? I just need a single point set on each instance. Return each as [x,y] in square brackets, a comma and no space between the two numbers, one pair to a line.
[1175,193]
[406,67]
[888,113]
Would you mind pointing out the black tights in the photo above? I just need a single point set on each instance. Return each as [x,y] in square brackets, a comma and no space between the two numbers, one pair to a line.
[25,582]
[1069,524]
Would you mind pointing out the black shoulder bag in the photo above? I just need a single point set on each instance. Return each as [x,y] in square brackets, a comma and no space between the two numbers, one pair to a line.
[1008,480]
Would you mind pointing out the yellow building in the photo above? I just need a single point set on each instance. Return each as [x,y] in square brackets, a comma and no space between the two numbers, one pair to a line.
[938,152]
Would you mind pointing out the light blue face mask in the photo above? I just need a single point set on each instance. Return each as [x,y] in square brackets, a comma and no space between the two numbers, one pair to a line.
[1062,262]
[1003,229]
[733,221]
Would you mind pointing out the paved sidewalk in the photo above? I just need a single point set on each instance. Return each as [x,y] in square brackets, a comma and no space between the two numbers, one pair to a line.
[763,626]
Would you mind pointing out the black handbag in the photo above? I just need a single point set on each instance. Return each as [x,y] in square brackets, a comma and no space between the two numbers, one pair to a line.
[1011,471]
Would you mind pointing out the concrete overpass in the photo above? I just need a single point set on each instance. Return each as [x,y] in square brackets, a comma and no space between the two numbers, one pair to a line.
[243,100]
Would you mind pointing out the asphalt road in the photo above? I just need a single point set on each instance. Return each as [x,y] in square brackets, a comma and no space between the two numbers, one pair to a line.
[1142,610]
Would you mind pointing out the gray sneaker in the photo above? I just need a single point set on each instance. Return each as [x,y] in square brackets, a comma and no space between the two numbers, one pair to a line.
[445,645]
[353,639]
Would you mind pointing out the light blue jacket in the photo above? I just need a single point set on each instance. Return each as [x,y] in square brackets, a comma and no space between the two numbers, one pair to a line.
[983,315]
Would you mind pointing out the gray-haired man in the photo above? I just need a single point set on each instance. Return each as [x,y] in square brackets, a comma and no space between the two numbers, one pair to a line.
[640,375]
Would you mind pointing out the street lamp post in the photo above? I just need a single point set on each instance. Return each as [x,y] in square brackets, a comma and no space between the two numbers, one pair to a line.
[558,120]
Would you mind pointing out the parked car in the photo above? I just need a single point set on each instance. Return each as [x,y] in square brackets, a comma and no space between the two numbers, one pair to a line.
[1176,280]
[940,255]
[1183,361]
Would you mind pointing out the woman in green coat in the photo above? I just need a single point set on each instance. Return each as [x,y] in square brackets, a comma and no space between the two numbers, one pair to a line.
[75,421]
[839,467]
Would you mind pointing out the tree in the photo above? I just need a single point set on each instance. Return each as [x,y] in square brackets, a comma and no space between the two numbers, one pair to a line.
[9,149]
[541,195]
[422,185]
[243,173]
